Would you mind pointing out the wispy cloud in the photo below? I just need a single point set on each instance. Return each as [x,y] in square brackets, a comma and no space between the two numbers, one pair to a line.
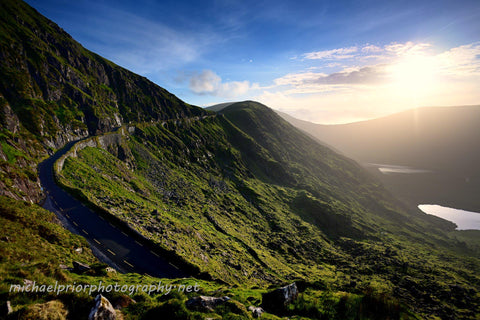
[351,76]
[407,48]
[334,54]
[208,82]
[139,43]
[460,61]
[385,78]
[370,48]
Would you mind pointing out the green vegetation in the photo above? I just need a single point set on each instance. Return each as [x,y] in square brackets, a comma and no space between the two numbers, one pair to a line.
[241,194]
[52,90]
[223,194]
[34,247]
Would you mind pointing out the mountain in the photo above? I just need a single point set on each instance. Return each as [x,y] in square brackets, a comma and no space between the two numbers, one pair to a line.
[430,137]
[52,90]
[251,200]
[220,106]
[248,200]
[443,141]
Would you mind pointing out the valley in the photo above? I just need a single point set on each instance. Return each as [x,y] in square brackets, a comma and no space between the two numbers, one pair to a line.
[142,187]
[438,140]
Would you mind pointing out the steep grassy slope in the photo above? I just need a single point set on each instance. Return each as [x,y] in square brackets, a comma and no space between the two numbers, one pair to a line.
[34,247]
[253,201]
[52,90]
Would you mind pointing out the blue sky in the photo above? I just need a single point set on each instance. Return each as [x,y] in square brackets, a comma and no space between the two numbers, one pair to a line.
[322,61]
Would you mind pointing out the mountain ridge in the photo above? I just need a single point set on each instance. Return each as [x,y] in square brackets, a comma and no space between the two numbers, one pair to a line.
[241,195]
[52,91]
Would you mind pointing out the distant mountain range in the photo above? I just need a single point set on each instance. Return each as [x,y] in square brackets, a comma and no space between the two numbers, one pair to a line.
[443,140]
[438,138]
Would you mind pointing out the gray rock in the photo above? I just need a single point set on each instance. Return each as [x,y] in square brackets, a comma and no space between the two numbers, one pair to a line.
[103,310]
[205,303]
[27,282]
[279,298]
[79,267]
[256,311]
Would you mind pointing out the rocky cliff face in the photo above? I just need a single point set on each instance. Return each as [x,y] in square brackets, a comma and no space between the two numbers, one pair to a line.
[52,91]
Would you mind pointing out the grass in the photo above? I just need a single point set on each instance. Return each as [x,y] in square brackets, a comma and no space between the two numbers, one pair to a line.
[33,246]
[193,189]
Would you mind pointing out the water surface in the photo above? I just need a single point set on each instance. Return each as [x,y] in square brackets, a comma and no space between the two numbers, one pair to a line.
[465,220]
[389,168]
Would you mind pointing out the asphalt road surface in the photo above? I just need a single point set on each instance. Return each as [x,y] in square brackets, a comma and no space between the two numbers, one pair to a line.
[110,244]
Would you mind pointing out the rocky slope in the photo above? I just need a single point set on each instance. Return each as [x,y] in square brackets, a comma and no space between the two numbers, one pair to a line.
[52,90]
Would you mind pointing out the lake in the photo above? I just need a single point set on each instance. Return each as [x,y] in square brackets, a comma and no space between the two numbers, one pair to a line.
[465,220]
[389,168]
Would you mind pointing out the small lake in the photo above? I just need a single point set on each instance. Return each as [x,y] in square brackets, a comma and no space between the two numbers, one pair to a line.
[465,220]
[389,168]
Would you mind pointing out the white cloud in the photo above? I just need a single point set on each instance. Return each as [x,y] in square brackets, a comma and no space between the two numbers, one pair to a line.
[409,57]
[311,81]
[461,61]
[407,48]
[297,79]
[370,48]
[376,81]
[205,82]
[208,82]
[334,54]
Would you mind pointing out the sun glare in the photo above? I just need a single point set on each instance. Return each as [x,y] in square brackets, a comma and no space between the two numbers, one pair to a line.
[415,76]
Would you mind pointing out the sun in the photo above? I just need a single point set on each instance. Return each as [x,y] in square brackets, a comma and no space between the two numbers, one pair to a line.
[415,76]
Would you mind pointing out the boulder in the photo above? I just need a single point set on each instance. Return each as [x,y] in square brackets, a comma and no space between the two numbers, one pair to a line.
[28,283]
[79,267]
[256,311]
[279,298]
[205,303]
[103,310]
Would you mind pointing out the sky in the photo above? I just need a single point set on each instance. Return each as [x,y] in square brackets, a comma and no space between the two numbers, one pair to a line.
[321,61]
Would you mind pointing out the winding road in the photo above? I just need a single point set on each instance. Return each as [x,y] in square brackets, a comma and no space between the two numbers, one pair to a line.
[110,244]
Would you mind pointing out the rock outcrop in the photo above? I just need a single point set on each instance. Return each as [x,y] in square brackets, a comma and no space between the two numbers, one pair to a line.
[54,91]
[277,299]
[79,267]
[256,311]
[205,303]
[113,142]
[103,310]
